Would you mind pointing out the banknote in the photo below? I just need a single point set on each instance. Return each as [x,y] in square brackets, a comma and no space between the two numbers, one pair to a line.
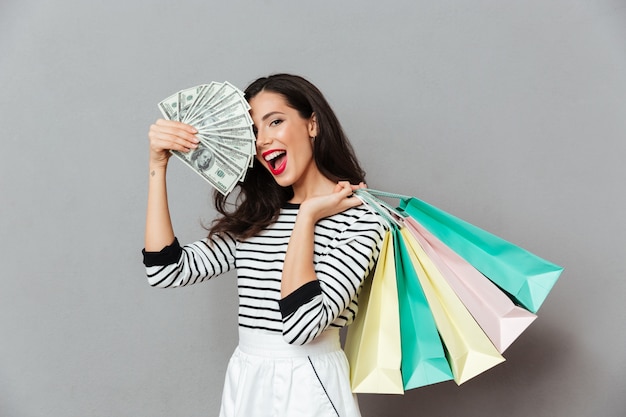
[186,99]
[220,113]
[226,110]
[240,120]
[201,104]
[236,133]
[236,159]
[169,107]
[240,145]
[217,172]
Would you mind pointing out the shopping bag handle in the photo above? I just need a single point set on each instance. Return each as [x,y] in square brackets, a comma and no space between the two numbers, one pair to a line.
[392,216]
[378,193]
[397,211]
[380,207]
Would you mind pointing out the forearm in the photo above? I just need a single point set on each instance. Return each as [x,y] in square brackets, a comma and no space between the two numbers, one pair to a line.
[350,244]
[176,266]
[298,268]
[159,231]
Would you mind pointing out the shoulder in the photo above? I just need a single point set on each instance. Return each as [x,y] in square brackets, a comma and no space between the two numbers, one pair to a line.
[359,219]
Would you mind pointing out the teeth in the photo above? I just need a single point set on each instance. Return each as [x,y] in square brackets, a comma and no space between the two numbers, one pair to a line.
[273,155]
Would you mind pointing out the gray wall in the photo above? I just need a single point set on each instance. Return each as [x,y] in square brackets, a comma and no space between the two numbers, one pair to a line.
[508,114]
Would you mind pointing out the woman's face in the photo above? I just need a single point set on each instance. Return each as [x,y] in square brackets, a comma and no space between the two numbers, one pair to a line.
[284,145]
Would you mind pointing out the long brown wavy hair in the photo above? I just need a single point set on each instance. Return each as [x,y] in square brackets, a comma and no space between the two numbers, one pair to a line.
[258,202]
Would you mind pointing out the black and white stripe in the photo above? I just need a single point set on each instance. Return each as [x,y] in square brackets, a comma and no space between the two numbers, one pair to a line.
[346,248]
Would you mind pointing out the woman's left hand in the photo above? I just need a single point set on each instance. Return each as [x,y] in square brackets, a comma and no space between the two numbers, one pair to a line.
[339,200]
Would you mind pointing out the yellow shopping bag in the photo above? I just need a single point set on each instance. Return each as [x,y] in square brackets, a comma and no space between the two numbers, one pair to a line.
[373,343]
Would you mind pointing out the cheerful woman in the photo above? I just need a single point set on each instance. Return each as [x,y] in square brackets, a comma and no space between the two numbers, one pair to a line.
[301,244]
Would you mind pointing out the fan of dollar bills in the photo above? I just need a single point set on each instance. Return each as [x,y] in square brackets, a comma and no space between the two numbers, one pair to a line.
[219,112]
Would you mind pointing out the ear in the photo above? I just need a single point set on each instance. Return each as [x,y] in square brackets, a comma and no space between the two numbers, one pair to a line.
[313,125]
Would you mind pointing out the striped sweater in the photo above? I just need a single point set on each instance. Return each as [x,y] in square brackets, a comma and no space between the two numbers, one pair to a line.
[346,248]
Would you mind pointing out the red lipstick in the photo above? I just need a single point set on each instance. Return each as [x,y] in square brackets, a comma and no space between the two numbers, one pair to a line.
[276,160]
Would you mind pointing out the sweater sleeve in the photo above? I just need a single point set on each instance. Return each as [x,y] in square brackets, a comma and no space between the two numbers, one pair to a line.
[341,270]
[177,266]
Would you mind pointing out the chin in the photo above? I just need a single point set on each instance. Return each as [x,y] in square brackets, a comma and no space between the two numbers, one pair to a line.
[283,182]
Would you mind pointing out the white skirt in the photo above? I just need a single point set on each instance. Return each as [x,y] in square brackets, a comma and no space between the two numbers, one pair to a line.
[267,377]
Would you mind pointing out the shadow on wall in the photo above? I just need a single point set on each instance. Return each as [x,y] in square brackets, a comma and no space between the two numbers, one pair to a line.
[527,376]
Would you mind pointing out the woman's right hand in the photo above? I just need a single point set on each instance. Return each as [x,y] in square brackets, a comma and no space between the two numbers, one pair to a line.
[166,135]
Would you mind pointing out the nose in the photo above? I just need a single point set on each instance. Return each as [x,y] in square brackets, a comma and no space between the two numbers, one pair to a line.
[262,140]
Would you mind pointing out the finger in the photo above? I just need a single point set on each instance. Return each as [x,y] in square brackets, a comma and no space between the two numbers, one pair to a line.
[177,124]
[347,203]
[174,130]
[338,187]
[346,190]
[343,185]
[159,144]
[164,139]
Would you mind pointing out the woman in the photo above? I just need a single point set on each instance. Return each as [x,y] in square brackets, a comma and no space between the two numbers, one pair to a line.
[301,244]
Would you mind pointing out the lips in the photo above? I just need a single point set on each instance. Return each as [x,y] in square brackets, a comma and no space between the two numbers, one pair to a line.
[276,160]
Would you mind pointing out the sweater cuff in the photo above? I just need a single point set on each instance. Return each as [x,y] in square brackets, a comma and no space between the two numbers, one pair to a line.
[166,256]
[299,297]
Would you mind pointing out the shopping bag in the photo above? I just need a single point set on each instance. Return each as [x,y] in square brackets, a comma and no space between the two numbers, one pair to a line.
[525,276]
[423,355]
[500,319]
[469,350]
[424,360]
[373,339]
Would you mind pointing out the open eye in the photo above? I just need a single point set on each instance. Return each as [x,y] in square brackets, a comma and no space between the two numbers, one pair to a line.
[276,122]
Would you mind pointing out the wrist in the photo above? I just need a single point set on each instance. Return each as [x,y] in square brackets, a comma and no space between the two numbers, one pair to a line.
[306,217]
[159,160]
[157,170]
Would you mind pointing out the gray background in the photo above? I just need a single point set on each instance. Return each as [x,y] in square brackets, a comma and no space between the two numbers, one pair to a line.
[508,114]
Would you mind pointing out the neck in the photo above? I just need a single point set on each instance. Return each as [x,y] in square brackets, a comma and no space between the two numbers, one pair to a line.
[313,184]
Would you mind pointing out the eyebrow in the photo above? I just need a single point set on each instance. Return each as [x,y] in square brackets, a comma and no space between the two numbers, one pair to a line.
[270,114]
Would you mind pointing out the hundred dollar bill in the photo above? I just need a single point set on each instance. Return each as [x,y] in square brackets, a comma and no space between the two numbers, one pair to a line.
[245,133]
[231,110]
[186,100]
[233,95]
[242,145]
[205,123]
[223,96]
[227,108]
[169,107]
[220,113]
[238,121]
[224,91]
[200,106]
[214,94]
[238,159]
[219,173]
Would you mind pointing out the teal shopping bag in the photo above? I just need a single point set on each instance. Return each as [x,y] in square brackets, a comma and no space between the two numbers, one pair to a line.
[423,357]
[523,275]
